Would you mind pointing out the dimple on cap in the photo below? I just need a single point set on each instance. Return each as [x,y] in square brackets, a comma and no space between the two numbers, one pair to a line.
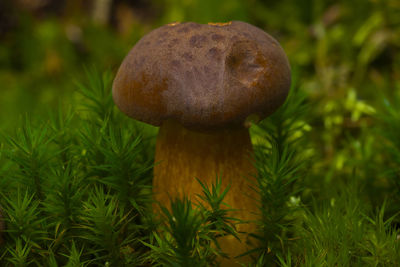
[204,76]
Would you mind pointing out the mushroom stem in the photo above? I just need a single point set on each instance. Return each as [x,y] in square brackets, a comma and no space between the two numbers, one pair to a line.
[183,155]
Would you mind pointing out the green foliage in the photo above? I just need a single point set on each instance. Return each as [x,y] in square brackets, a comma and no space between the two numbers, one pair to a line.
[389,119]
[340,234]
[63,201]
[113,153]
[183,226]
[23,219]
[102,224]
[85,190]
[217,214]
[19,254]
[335,230]
[73,256]
[97,94]
[189,233]
[78,192]
[281,161]
[381,244]
[29,150]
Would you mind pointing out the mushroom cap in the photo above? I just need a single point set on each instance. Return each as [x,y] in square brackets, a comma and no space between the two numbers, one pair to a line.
[205,76]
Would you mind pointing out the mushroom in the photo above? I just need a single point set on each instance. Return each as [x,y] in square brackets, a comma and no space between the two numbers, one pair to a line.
[201,83]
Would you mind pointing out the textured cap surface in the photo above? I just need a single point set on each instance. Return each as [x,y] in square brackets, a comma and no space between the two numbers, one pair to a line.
[204,76]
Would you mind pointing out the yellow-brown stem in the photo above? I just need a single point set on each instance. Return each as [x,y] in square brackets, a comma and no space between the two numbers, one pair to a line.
[183,155]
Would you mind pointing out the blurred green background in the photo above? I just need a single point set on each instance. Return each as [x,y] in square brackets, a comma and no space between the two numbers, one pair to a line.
[339,49]
[344,55]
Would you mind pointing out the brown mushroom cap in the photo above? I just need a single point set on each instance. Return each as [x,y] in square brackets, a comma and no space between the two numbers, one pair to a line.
[204,76]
